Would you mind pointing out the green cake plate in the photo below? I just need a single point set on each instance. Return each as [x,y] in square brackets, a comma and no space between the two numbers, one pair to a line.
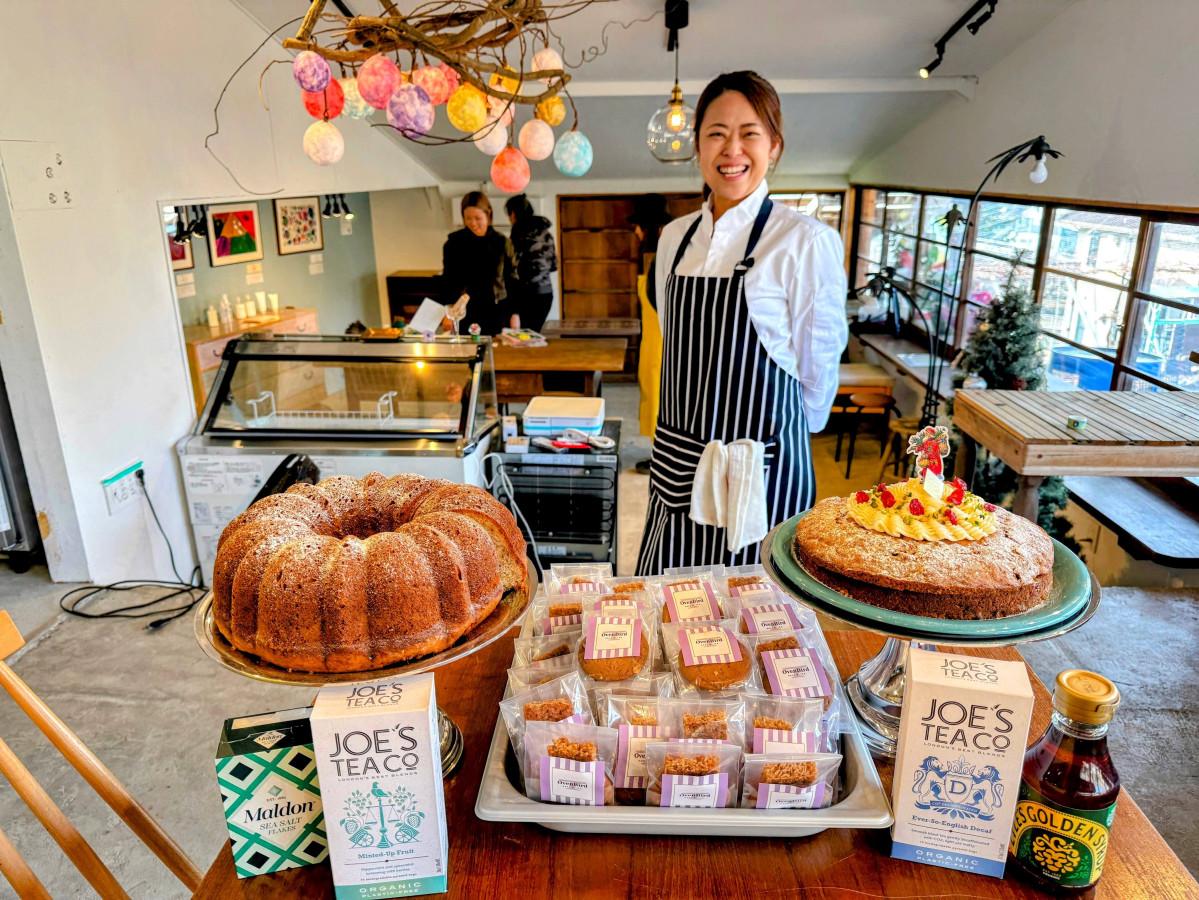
[1069,596]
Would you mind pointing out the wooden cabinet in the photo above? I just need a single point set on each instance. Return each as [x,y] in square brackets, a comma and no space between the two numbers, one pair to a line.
[600,255]
[205,345]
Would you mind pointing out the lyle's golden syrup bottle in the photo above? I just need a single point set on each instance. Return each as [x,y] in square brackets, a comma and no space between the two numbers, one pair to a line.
[1069,787]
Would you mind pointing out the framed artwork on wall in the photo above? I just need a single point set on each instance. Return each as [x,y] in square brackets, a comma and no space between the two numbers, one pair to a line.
[298,225]
[181,254]
[234,234]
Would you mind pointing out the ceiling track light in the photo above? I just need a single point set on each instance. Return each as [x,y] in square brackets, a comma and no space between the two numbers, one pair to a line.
[349,213]
[972,20]
[337,210]
[327,212]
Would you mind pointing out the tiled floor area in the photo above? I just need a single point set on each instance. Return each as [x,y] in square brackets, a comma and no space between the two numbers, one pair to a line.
[151,704]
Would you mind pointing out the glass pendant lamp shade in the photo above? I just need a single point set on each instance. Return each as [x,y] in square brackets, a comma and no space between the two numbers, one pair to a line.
[671,133]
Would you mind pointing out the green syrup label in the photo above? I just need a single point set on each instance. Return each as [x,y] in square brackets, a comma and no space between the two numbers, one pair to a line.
[1060,844]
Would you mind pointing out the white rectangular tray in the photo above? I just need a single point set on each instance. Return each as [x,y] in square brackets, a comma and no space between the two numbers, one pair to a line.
[863,805]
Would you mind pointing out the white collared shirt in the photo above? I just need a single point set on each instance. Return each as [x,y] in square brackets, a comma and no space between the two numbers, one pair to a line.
[795,290]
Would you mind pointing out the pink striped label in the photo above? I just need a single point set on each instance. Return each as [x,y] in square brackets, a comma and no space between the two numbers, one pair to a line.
[555,624]
[631,771]
[694,600]
[795,673]
[791,796]
[757,593]
[583,587]
[572,782]
[695,791]
[765,617]
[775,740]
[704,645]
[611,637]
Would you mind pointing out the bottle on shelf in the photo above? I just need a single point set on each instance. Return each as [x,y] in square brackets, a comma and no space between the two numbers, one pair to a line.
[214,320]
[1069,788]
[226,311]
[239,308]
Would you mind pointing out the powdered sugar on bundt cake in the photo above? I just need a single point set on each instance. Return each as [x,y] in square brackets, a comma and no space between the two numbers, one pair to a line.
[353,574]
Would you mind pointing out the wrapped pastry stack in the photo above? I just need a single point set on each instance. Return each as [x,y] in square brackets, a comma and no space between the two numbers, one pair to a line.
[700,688]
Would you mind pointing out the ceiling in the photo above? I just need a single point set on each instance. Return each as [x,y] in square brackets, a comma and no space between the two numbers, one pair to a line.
[846,70]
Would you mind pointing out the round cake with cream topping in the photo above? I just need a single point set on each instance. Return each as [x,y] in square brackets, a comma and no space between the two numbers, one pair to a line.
[952,556]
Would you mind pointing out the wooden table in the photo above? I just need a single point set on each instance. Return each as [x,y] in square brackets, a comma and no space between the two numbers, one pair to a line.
[519,370]
[1128,433]
[489,859]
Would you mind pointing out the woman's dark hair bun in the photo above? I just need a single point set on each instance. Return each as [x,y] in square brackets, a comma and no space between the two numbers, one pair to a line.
[519,206]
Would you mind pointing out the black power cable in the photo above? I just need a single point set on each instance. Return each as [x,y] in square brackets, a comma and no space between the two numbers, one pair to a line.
[193,588]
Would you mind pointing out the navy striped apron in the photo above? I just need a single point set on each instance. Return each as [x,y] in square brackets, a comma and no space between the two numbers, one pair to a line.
[718,383]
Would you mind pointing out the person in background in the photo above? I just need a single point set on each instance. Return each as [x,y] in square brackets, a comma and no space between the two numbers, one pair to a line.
[751,295]
[533,241]
[649,217]
[477,268]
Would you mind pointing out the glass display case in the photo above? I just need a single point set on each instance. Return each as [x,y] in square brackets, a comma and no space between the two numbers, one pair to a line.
[329,387]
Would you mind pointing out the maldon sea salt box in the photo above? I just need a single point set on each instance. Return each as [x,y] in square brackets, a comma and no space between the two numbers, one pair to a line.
[266,771]
[380,768]
[962,736]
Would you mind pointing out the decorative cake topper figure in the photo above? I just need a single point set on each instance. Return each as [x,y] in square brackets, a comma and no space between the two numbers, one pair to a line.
[931,445]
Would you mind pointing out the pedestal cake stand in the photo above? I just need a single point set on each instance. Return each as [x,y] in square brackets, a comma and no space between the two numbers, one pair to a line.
[507,614]
[876,690]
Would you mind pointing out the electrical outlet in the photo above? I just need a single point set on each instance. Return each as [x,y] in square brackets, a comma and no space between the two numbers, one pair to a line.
[122,488]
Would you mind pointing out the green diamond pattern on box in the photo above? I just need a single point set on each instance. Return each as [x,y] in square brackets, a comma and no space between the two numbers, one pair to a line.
[267,774]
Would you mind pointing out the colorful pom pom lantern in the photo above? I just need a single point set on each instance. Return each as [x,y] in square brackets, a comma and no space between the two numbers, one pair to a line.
[546,58]
[467,108]
[355,107]
[451,76]
[503,83]
[323,143]
[536,139]
[503,111]
[377,80]
[326,104]
[432,80]
[409,111]
[492,139]
[551,111]
[573,155]
[311,71]
[510,171]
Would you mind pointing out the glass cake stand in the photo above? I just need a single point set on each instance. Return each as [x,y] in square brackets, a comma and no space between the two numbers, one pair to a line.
[876,689]
[507,614]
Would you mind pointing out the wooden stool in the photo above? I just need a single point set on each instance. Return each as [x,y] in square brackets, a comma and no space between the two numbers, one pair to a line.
[900,430]
[864,403]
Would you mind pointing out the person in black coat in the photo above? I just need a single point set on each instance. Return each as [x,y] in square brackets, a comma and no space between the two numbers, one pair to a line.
[478,262]
[536,261]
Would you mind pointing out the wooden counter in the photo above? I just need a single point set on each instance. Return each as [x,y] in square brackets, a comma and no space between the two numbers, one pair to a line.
[496,859]
[205,345]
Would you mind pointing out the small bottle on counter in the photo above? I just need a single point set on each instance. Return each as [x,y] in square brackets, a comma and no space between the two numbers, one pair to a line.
[226,311]
[1069,788]
[239,309]
[274,301]
[214,320]
[260,297]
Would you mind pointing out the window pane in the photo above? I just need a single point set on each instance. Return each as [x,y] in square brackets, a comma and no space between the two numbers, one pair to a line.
[1167,338]
[872,206]
[901,253]
[870,243]
[972,315]
[926,304]
[1097,244]
[1088,313]
[902,212]
[1071,369]
[1009,229]
[988,276]
[1132,383]
[934,208]
[1175,273]
[862,270]
[931,266]
[829,210]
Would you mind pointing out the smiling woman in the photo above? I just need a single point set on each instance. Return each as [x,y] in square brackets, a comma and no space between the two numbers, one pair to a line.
[752,300]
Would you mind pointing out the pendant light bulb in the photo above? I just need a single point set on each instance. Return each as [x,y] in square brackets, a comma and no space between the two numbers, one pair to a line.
[676,118]
[1039,172]
[671,133]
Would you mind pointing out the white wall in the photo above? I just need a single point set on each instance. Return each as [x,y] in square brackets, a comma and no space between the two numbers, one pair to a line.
[1111,83]
[125,90]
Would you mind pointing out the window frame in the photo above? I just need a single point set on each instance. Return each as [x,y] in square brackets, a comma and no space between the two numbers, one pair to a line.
[1137,291]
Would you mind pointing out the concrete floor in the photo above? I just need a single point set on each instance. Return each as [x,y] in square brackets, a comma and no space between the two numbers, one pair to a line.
[151,704]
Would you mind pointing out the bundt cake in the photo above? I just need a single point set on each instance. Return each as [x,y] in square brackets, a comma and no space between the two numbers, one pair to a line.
[357,573]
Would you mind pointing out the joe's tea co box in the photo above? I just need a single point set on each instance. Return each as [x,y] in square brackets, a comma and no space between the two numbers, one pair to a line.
[962,737]
[380,765]
[266,771]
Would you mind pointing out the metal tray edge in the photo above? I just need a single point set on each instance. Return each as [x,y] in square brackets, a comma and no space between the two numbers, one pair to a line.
[866,806]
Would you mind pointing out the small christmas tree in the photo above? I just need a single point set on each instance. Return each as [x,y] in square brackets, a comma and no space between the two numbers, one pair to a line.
[1004,352]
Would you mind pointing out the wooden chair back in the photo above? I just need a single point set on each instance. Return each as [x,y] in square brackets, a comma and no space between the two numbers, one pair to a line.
[87,764]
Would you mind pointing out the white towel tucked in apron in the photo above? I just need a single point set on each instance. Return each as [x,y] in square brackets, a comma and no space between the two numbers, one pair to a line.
[730,491]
